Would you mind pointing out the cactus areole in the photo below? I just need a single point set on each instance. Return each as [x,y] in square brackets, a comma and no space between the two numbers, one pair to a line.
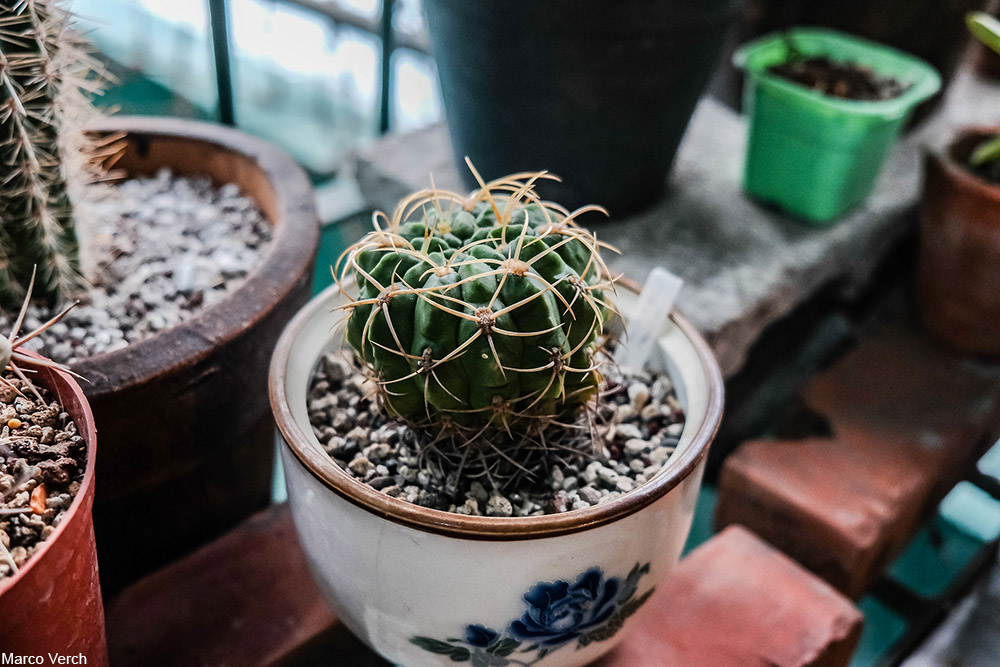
[480,310]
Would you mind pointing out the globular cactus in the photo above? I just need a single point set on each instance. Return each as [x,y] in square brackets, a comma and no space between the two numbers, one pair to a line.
[480,311]
[38,62]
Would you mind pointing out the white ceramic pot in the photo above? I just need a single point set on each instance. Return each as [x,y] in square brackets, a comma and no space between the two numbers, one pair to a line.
[426,587]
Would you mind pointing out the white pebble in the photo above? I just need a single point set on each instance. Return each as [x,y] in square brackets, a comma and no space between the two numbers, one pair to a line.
[628,431]
[635,446]
[625,413]
[651,411]
[497,505]
[638,395]
[590,495]
[660,454]
[674,430]
[361,466]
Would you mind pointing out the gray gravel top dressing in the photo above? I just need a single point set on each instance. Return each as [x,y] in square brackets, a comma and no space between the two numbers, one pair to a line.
[637,423]
[166,247]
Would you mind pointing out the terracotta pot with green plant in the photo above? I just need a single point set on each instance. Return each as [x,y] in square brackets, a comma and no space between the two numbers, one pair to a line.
[959,265]
[186,263]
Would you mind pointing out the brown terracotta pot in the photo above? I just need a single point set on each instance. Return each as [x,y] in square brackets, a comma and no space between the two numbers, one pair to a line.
[187,448]
[959,268]
[53,604]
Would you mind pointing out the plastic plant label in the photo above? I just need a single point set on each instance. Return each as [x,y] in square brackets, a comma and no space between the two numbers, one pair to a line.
[655,302]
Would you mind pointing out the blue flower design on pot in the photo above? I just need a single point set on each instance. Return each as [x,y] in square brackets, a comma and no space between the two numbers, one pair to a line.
[559,612]
[589,609]
[480,635]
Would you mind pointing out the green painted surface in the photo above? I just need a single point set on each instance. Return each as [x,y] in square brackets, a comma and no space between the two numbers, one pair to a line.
[973,510]
[334,239]
[701,528]
[135,94]
[331,244]
[883,628]
[990,463]
[948,543]
[938,554]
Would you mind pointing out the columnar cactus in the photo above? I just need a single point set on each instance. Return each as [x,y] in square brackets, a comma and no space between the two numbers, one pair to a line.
[479,311]
[36,226]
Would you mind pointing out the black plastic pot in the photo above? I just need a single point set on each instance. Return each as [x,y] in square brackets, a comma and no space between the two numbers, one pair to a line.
[597,92]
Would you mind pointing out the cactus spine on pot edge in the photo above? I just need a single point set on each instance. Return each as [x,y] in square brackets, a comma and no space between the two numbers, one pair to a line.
[39,60]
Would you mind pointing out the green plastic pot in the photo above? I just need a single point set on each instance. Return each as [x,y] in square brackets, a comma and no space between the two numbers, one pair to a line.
[813,155]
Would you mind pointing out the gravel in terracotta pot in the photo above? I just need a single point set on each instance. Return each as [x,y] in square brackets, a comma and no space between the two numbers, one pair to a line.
[489,391]
[187,444]
[959,265]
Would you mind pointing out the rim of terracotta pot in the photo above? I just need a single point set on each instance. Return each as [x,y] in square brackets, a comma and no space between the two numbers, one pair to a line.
[71,397]
[290,209]
[324,469]
[952,161]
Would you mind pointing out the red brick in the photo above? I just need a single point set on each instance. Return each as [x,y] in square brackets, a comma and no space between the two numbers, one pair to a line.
[738,602]
[908,422]
[245,599]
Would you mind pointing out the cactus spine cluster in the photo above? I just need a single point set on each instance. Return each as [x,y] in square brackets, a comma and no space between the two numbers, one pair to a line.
[38,62]
[480,313]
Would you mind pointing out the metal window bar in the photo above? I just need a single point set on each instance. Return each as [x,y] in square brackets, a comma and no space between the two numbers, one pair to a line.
[220,29]
[390,40]
[385,78]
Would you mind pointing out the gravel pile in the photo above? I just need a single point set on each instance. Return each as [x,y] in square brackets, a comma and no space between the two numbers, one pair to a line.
[638,423]
[42,461]
[166,247]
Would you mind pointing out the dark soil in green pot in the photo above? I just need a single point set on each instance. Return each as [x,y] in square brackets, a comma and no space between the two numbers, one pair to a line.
[932,30]
[597,92]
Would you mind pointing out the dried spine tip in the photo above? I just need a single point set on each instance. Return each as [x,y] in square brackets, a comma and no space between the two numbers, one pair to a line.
[480,313]
[38,60]
[10,349]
